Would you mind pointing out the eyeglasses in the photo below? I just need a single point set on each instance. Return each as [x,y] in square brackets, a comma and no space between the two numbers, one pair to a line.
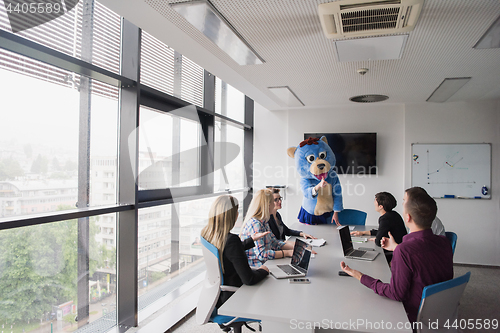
[278,199]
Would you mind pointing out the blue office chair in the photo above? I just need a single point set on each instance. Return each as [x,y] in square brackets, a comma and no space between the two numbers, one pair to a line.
[452,237]
[352,217]
[439,304]
[212,286]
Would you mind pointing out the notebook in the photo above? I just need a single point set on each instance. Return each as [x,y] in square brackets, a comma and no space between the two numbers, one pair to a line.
[349,251]
[298,265]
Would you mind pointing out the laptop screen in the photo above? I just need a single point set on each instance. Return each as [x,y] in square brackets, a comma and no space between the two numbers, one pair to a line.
[345,238]
[301,255]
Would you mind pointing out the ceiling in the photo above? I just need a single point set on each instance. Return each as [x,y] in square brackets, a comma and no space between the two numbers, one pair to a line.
[287,34]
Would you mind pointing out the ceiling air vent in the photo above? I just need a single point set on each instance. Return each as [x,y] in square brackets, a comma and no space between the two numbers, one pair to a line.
[368,98]
[362,18]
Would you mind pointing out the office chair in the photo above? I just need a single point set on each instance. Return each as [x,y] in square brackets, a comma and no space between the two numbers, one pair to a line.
[452,237]
[212,286]
[352,217]
[439,305]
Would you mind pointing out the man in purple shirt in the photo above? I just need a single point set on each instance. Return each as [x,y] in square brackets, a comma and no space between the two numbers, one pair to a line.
[420,260]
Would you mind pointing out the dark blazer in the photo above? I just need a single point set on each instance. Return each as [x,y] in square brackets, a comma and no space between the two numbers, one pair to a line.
[286,230]
[236,269]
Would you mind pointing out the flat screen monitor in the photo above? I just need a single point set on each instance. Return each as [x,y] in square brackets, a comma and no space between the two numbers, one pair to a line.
[356,153]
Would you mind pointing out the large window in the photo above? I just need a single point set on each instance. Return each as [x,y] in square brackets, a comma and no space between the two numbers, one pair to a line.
[39,276]
[169,150]
[39,140]
[106,180]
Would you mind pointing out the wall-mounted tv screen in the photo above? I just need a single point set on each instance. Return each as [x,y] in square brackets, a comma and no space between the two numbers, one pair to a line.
[356,153]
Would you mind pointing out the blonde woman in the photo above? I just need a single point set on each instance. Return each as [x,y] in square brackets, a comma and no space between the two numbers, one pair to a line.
[268,247]
[236,271]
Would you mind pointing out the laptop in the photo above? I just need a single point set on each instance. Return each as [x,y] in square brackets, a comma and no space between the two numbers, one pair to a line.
[298,265]
[349,251]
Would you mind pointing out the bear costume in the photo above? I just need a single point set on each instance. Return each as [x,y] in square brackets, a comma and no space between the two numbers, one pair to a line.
[315,161]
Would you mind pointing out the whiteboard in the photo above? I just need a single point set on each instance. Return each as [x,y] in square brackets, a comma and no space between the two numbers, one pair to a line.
[452,170]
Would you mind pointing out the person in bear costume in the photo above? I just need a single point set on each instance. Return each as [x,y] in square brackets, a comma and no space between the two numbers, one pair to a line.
[315,161]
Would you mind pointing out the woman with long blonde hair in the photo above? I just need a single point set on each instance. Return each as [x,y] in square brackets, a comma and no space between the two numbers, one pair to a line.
[256,221]
[236,271]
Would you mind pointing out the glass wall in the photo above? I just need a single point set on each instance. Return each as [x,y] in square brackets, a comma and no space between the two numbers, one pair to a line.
[39,276]
[40,136]
[80,173]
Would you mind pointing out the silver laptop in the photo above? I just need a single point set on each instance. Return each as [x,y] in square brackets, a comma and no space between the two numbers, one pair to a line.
[298,266]
[349,251]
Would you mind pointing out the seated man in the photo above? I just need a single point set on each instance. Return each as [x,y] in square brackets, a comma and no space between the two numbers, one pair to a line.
[420,260]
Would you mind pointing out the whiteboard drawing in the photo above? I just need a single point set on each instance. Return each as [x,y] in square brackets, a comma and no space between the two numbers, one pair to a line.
[452,170]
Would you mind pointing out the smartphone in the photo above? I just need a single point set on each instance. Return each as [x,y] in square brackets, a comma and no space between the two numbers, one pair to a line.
[299,281]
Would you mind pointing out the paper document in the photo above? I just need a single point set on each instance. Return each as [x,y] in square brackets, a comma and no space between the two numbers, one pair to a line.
[359,239]
[314,242]
[351,227]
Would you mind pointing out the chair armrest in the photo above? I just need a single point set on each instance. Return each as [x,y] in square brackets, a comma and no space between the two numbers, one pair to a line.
[228,288]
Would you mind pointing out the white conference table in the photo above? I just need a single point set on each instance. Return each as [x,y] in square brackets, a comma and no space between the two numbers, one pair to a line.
[330,302]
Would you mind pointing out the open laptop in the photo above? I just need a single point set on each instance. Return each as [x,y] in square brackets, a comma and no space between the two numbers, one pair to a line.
[349,251]
[298,266]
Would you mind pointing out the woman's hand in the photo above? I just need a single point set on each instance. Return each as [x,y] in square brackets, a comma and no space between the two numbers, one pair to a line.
[259,235]
[288,253]
[306,236]
[264,268]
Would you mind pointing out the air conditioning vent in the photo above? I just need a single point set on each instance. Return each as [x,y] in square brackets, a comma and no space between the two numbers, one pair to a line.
[363,18]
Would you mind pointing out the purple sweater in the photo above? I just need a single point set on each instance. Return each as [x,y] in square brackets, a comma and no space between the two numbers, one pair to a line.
[420,260]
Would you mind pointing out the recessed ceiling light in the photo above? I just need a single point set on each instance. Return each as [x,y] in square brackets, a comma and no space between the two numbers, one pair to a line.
[207,19]
[491,39]
[286,95]
[447,88]
[368,98]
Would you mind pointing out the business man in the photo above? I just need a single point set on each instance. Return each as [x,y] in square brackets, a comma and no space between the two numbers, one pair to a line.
[420,260]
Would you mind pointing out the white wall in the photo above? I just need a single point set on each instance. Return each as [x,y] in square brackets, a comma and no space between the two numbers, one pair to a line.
[276,131]
[397,126]
[476,222]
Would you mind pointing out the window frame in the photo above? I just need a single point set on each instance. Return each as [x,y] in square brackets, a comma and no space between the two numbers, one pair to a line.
[130,199]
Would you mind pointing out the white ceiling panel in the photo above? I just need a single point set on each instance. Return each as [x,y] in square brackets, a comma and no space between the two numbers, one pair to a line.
[287,34]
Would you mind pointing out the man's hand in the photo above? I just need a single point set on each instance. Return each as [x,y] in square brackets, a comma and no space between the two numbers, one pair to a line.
[352,272]
[306,236]
[388,244]
[336,218]
[259,235]
[359,233]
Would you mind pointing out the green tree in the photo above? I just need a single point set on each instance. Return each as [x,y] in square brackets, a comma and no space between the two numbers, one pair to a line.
[27,286]
[56,166]
[38,268]
[10,169]
[40,164]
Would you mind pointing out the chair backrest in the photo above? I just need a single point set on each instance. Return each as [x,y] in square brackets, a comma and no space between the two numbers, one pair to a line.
[352,217]
[439,304]
[211,286]
[452,237]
